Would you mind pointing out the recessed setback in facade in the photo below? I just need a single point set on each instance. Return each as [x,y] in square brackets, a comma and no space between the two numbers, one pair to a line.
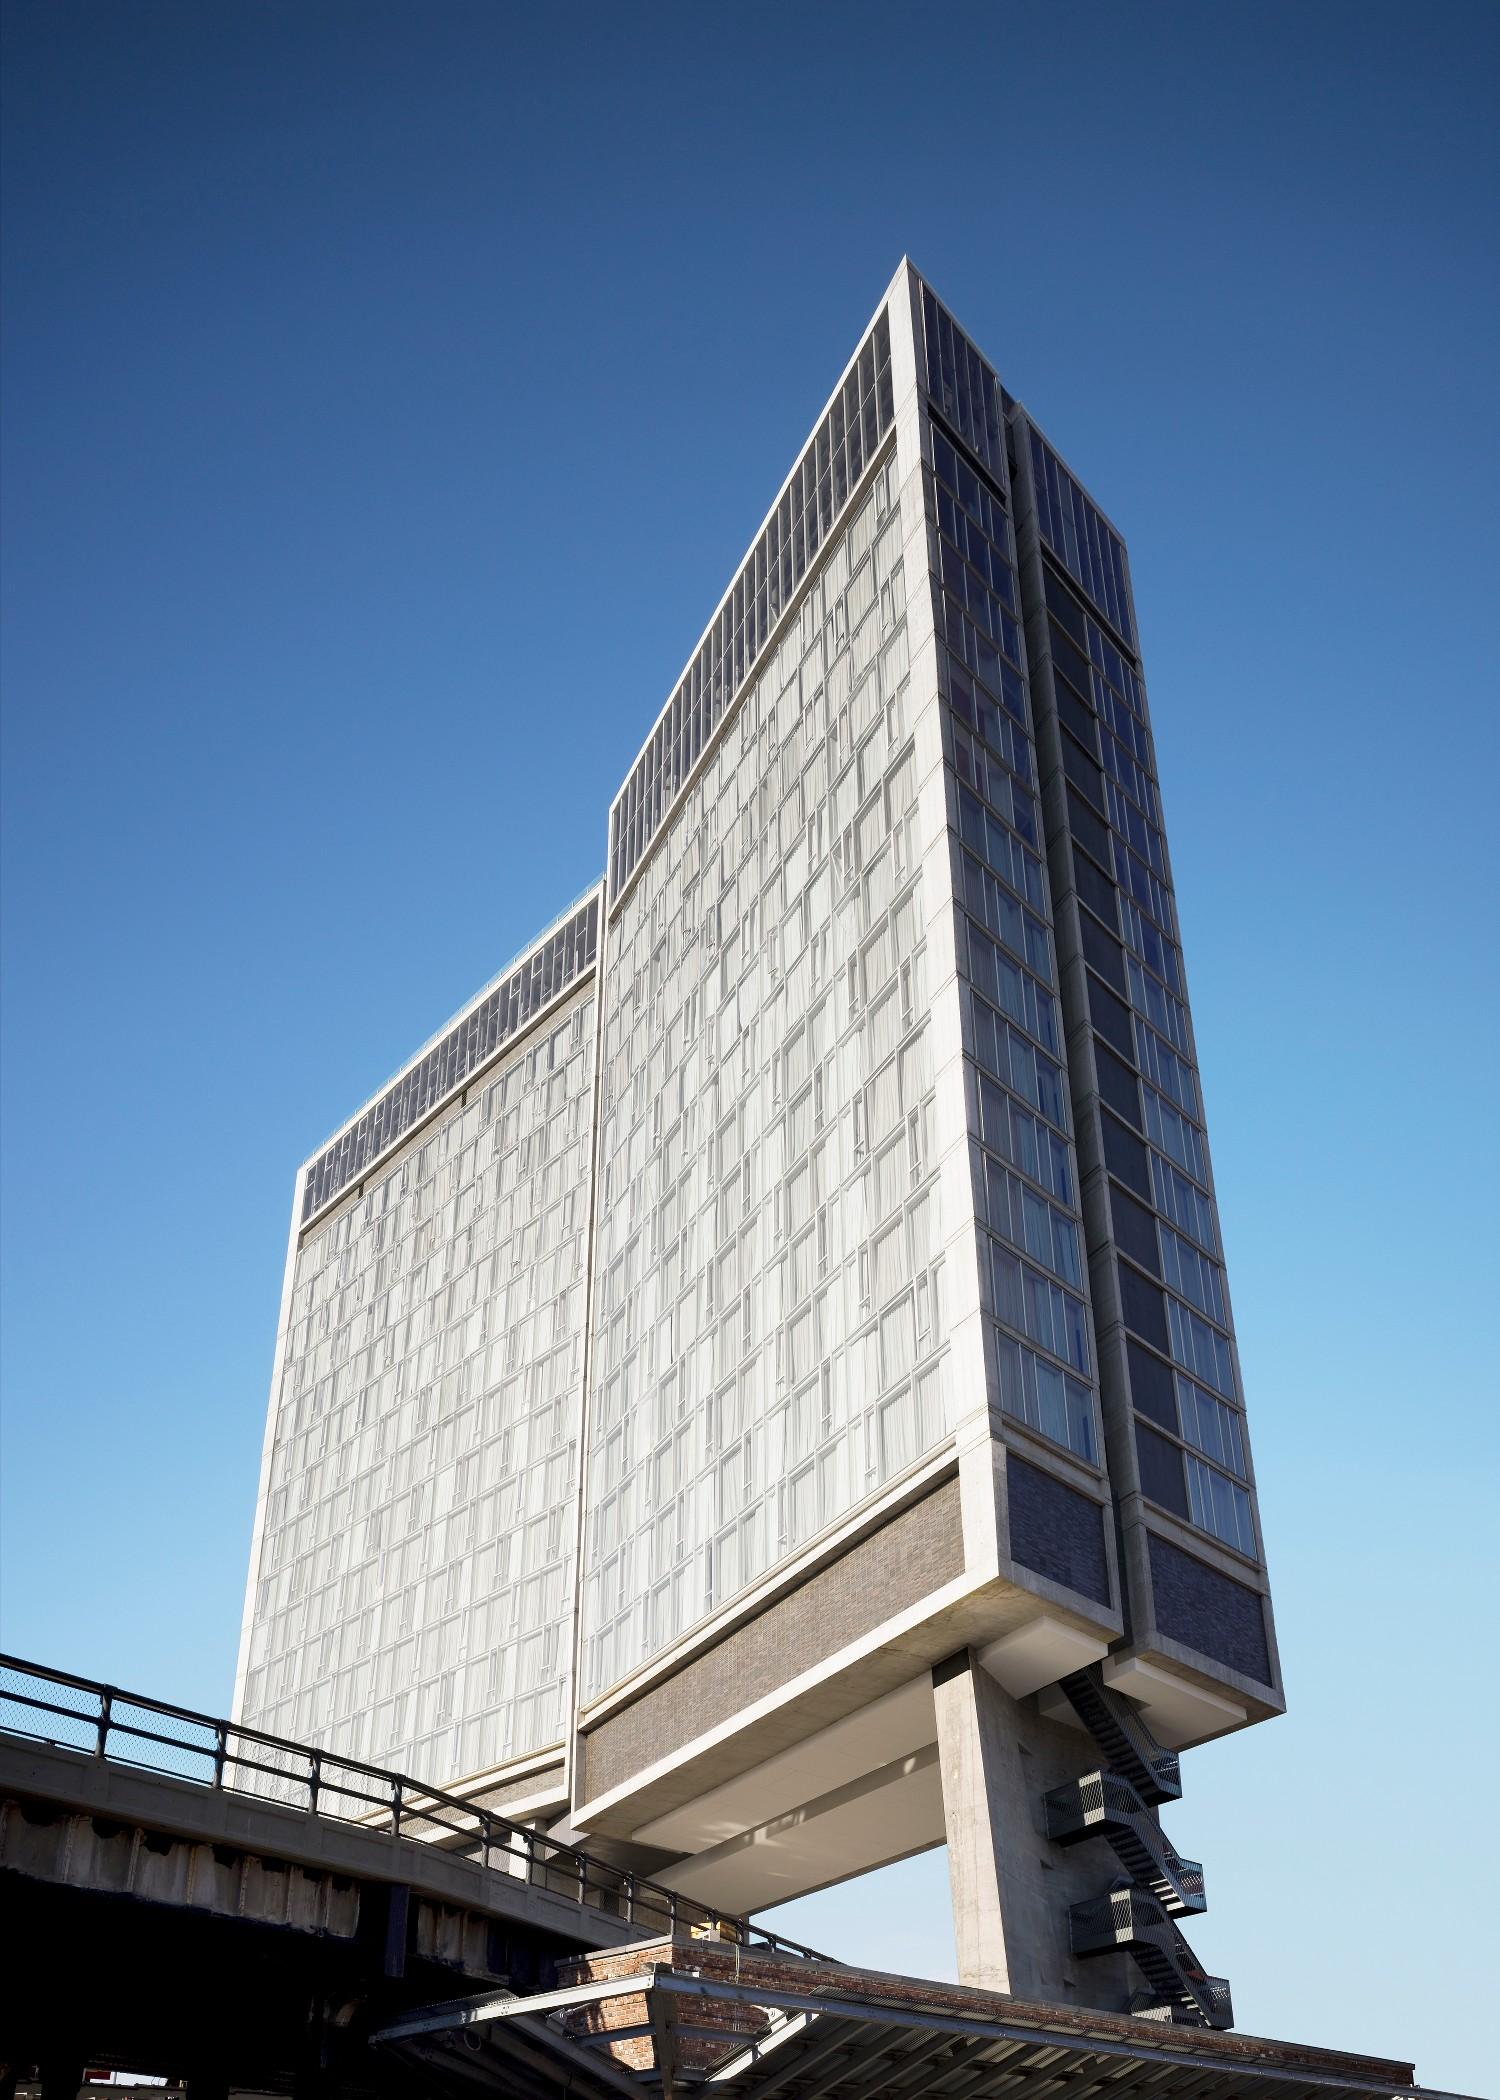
[759,1391]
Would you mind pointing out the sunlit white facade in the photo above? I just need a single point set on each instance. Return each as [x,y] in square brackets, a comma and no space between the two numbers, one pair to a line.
[788,1304]
[412,1599]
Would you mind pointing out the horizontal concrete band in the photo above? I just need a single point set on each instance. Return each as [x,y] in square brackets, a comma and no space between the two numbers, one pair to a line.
[914,1554]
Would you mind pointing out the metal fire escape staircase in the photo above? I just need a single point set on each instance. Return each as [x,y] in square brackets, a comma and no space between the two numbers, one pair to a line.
[1135,1914]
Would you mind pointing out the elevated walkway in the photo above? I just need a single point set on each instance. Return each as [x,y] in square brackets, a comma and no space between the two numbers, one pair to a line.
[185,1897]
[75,1747]
[241,1915]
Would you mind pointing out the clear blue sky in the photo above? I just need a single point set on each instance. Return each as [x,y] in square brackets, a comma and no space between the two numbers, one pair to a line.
[388,391]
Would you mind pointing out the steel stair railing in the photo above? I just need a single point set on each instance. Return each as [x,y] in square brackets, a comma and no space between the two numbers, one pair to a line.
[1135,1915]
[1127,1919]
[1129,1747]
[1104,1804]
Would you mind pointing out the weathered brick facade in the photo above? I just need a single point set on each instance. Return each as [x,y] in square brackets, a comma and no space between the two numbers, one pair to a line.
[713,1962]
[904,1561]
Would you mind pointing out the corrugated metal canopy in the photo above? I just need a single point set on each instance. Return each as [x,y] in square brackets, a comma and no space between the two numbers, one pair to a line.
[835,2045]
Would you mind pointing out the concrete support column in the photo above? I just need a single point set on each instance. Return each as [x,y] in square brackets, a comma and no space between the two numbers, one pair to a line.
[977,1755]
[1012,1887]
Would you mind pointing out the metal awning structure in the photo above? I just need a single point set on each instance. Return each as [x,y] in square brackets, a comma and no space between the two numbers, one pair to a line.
[669,2031]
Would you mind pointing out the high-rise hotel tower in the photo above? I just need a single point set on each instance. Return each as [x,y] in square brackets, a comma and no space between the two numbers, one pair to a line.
[758,1391]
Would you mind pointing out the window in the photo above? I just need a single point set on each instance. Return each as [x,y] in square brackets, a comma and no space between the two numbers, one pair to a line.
[1076,533]
[1090,831]
[1194,1491]
[1152,946]
[1182,1202]
[1077,718]
[985,835]
[1142,1306]
[1046,1399]
[1165,1068]
[1082,771]
[1007,1054]
[1199,1348]
[1031,1305]
[993,905]
[1026,1143]
[1125,1155]
[1135,1230]
[1111,1017]
[1174,1135]
[1161,1465]
[1220,1506]
[1153,1000]
[1151,1385]
[1211,1427]
[1117,1085]
[963,387]
[1001,728]
[1095,889]
[1008,986]
[841,448]
[1192,1274]
[1024,1218]
[1102,954]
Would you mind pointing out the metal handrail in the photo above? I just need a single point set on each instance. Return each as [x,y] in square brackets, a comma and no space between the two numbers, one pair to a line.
[1213,1992]
[1130,1917]
[1107,1714]
[317,1780]
[1104,1803]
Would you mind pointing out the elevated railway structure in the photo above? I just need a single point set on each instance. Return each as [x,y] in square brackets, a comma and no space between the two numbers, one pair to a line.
[243,1915]
[199,1900]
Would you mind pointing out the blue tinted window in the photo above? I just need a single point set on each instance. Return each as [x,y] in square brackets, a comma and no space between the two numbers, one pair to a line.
[1220,1506]
[1211,1427]
[832,463]
[1199,1348]
[963,386]
[1046,1398]
[1087,548]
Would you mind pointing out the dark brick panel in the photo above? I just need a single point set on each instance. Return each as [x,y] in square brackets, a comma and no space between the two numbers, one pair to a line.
[1208,1611]
[1056,1531]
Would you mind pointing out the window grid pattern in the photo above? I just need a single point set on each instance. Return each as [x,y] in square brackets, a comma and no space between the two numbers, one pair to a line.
[844,444]
[769,1302]
[556,962]
[414,1598]
[1030,1266]
[963,387]
[1088,549]
[1102,707]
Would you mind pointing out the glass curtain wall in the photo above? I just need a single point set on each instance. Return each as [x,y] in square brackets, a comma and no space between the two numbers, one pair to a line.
[768,1294]
[1176,1376]
[1026,1194]
[413,1602]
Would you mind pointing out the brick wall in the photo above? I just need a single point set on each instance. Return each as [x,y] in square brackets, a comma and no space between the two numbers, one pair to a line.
[1203,1609]
[904,1561]
[715,1962]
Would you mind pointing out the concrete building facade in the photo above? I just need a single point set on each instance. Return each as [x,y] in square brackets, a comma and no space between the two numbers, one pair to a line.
[759,1391]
